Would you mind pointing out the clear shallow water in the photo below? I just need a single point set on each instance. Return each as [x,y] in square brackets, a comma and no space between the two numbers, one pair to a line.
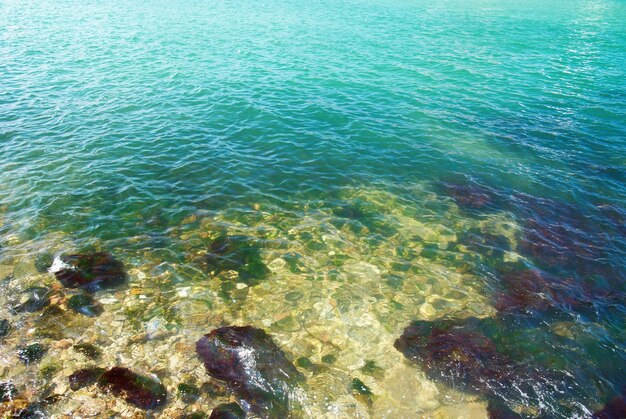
[326,133]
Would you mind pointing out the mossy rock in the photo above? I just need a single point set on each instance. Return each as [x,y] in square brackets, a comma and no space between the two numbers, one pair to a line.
[85,305]
[31,353]
[188,393]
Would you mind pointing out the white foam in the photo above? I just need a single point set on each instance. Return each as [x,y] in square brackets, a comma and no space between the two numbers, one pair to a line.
[59,265]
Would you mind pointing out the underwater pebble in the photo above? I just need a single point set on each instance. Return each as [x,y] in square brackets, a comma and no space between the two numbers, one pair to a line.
[88,350]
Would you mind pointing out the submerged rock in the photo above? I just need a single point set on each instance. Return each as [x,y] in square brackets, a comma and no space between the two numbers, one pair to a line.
[33,299]
[86,305]
[236,253]
[470,195]
[31,353]
[615,409]
[461,355]
[559,234]
[89,350]
[525,290]
[140,391]
[85,377]
[188,393]
[43,262]
[228,411]
[361,392]
[89,271]
[5,328]
[256,370]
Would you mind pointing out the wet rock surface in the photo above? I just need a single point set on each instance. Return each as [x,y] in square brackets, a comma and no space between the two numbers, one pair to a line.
[85,377]
[228,411]
[140,391]
[89,350]
[32,299]
[89,271]
[460,354]
[43,262]
[85,305]
[256,370]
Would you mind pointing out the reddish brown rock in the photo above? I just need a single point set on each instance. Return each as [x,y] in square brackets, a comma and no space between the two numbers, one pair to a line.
[256,370]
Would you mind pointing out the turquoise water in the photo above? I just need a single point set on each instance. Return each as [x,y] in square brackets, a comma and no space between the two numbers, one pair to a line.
[329,133]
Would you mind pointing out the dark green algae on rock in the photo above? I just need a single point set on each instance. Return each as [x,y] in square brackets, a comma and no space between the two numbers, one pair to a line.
[236,253]
[31,353]
[85,305]
[255,368]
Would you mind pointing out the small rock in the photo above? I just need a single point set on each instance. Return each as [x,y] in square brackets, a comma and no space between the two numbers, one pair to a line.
[85,377]
[31,353]
[85,305]
[89,350]
[329,359]
[228,411]
[188,393]
[304,362]
[361,391]
[140,391]
[33,299]
[370,368]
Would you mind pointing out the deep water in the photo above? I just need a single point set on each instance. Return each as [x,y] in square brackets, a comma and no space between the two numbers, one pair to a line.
[330,172]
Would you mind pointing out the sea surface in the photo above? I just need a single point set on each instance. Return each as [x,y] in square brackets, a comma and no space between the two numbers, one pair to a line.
[379,162]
